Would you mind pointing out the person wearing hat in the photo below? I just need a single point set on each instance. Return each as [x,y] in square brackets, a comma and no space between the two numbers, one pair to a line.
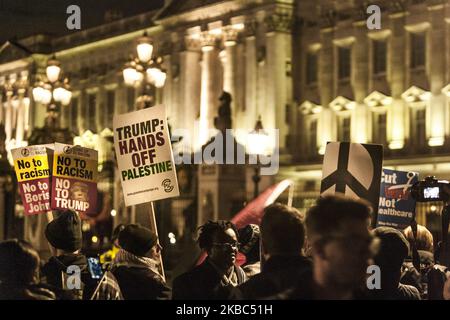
[136,265]
[108,256]
[65,238]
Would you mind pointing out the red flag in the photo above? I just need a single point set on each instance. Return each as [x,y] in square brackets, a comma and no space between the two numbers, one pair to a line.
[254,210]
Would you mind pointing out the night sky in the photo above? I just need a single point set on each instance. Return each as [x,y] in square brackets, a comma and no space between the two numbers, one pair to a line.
[21,18]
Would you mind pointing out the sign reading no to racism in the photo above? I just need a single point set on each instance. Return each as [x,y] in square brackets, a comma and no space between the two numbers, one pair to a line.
[33,175]
[144,156]
[74,182]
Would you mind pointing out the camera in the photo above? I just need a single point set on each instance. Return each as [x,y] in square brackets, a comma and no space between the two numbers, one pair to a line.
[430,189]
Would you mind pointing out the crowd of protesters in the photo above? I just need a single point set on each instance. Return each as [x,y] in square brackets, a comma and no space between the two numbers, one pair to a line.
[324,254]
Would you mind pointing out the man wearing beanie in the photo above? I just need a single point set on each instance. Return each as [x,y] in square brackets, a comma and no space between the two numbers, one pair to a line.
[136,265]
[65,237]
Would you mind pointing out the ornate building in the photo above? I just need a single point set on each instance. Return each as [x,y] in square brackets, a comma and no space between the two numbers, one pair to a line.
[311,69]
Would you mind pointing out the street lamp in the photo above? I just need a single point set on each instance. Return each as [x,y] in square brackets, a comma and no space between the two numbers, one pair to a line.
[257,144]
[145,70]
[53,92]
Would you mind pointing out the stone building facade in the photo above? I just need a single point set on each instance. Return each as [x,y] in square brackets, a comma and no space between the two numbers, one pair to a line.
[311,69]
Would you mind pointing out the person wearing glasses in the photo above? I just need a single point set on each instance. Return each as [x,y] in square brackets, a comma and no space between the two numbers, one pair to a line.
[218,274]
[136,265]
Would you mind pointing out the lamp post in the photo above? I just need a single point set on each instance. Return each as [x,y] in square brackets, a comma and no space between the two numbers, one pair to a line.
[145,71]
[53,91]
[257,143]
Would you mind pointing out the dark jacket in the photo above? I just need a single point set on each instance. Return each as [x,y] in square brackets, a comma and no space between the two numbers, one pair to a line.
[25,292]
[304,290]
[57,266]
[279,274]
[402,292]
[203,283]
[138,283]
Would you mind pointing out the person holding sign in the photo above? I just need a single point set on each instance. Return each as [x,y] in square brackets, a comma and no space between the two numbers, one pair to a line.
[67,270]
[136,265]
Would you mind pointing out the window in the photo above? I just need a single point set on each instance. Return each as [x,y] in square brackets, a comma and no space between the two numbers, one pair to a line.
[74,115]
[417,50]
[110,105]
[312,143]
[379,127]
[344,62]
[379,57]
[344,129]
[92,112]
[311,68]
[420,125]
[130,98]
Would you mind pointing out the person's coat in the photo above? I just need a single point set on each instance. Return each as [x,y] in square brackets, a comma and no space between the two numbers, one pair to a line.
[138,278]
[203,282]
[278,275]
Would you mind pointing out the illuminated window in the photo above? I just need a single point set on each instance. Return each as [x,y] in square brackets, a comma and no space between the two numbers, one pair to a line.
[417,50]
[379,126]
[311,68]
[379,57]
[418,127]
[344,129]
[344,62]
[312,143]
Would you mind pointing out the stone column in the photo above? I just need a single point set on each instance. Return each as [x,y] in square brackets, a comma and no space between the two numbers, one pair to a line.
[279,84]
[360,127]
[396,122]
[188,95]
[209,93]
[251,113]
[2,106]
[436,62]
[2,208]
[326,125]
[8,116]
[101,109]
[20,122]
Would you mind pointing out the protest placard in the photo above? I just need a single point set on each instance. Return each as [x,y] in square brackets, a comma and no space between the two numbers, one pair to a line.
[353,169]
[144,156]
[74,181]
[396,207]
[33,175]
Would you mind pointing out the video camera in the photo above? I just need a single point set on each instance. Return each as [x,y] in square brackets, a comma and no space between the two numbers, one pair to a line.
[430,189]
